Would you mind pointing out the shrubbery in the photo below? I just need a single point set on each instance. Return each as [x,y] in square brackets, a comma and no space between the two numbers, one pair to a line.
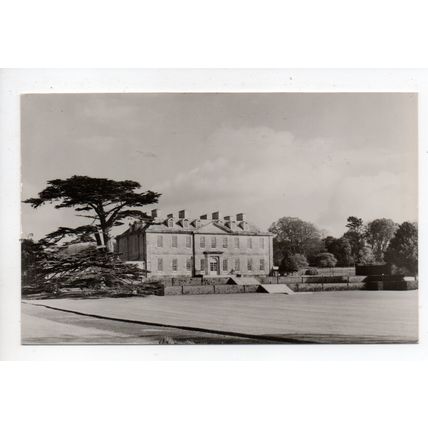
[324,260]
[292,263]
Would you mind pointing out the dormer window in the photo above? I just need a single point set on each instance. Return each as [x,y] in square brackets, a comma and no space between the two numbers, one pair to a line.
[170,222]
[243,225]
[185,223]
[231,224]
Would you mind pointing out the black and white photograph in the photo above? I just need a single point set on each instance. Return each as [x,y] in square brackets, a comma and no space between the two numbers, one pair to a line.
[213,214]
[187,218]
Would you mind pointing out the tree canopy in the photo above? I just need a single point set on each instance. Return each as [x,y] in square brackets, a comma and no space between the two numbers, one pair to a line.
[355,236]
[325,260]
[341,249]
[292,263]
[105,202]
[50,268]
[378,234]
[378,241]
[295,236]
[402,251]
[366,256]
[355,224]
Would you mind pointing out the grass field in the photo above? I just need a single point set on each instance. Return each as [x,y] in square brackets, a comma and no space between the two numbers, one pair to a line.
[330,317]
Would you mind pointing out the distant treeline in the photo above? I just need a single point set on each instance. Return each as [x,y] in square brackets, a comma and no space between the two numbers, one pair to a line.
[299,244]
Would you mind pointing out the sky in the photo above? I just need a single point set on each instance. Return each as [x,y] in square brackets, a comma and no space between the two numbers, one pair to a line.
[321,157]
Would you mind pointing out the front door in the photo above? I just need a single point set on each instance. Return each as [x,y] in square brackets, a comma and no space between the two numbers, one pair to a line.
[213,266]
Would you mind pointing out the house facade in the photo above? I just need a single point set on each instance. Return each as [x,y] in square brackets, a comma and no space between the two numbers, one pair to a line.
[181,246]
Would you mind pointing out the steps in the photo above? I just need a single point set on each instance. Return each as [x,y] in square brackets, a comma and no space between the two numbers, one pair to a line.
[243,280]
[276,289]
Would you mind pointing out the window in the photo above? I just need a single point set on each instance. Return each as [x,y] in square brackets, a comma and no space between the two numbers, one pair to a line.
[213,242]
[250,264]
[160,241]
[213,264]
[160,265]
[174,264]
[237,242]
[174,240]
[170,222]
[189,264]
[186,223]
[188,242]
[262,242]
[262,264]
[225,242]
[225,264]
[202,264]
[237,265]
[202,242]
[250,243]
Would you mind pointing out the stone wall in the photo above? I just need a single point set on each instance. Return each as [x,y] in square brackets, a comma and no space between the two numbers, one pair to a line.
[209,289]
[311,279]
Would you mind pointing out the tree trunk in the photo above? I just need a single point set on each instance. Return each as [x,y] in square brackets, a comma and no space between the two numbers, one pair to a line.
[105,232]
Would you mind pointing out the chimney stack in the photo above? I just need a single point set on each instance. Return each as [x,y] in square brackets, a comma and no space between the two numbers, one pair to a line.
[170,216]
[227,218]
[240,217]
[204,217]
[156,213]
[215,215]
[182,214]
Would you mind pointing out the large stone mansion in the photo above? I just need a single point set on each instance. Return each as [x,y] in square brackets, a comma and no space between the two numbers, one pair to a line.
[180,246]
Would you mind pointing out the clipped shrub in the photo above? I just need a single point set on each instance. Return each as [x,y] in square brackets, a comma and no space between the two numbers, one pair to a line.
[292,263]
[311,271]
[325,260]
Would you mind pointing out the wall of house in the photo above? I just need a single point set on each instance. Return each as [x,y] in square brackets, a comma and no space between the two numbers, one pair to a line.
[180,255]
[132,247]
[185,256]
[188,257]
[257,251]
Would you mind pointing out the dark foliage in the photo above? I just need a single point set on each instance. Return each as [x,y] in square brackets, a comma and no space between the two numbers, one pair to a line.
[324,260]
[292,263]
[52,268]
[105,202]
[288,265]
[355,224]
[366,256]
[32,255]
[378,234]
[341,249]
[402,251]
[294,236]
[355,236]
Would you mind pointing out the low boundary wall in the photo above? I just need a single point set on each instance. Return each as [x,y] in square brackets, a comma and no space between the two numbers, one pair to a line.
[176,290]
[311,279]
[300,284]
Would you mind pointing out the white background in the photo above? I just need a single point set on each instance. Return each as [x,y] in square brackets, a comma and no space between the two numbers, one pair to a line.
[265,385]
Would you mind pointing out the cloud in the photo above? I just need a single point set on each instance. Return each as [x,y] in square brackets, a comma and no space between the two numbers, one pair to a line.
[320,157]
[271,174]
[147,154]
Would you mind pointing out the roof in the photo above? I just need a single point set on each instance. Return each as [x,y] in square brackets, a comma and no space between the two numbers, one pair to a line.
[195,226]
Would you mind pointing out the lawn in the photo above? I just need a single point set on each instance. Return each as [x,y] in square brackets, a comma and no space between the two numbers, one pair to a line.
[324,317]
